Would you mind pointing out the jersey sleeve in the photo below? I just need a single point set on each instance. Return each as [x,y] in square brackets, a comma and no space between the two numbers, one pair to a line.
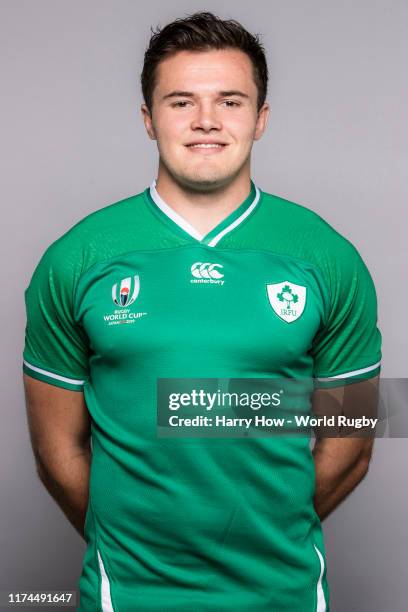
[56,350]
[347,348]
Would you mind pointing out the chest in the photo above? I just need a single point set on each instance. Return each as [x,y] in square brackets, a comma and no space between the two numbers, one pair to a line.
[244,310]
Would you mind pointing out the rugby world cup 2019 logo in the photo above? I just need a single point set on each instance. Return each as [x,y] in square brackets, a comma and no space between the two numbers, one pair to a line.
[127,293]
[124,294]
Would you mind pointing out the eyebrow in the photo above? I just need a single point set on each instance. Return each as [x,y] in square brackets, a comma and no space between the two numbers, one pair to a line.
[189,94]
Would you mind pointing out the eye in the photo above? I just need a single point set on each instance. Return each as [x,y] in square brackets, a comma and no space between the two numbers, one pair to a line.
[231,103]
[180,103]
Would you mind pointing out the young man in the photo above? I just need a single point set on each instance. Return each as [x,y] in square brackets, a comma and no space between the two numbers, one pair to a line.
[187,280]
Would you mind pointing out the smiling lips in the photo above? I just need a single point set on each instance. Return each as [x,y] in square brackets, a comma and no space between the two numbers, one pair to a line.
[208,147]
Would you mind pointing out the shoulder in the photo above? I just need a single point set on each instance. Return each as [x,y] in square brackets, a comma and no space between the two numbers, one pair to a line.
[92,235]
[304,232]
[105,220]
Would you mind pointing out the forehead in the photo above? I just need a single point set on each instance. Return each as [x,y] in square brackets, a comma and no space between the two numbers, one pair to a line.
[200,71]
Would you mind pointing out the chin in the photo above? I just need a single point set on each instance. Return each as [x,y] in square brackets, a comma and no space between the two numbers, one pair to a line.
[204,183]
[207,179]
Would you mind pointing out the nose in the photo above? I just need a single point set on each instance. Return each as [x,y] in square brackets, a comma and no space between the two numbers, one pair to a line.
[205,118]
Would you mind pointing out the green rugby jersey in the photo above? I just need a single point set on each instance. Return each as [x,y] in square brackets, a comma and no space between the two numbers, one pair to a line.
[133,293]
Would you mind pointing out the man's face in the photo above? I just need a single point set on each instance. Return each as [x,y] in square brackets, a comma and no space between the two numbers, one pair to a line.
[204,116]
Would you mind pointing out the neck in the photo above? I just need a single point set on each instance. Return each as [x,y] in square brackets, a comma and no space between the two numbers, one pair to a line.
[203,210]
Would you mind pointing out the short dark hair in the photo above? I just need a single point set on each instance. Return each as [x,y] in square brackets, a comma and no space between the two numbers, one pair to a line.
[200,32]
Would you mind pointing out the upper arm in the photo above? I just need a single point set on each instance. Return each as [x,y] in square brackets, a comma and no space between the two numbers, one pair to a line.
[58,420]
[347,356]
[347,347]
[56,349]
[347,444]
[56,355]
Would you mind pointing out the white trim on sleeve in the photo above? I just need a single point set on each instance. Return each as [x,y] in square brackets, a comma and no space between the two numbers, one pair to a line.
[352,373]
[71,381]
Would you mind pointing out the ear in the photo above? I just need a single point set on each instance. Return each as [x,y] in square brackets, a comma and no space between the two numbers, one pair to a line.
[147,119]
[262,120]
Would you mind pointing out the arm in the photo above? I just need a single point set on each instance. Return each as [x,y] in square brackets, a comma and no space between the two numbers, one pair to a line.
[59,426]
[342,462]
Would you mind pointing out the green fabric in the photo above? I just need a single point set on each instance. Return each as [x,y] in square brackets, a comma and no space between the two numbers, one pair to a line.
[199,524]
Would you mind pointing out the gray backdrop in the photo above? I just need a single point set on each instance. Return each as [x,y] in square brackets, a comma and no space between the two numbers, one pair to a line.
[73,141]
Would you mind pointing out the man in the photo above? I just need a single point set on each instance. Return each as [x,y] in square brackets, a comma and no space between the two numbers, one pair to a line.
[202,275]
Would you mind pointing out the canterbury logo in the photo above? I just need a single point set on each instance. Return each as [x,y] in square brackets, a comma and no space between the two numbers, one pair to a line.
[206,272]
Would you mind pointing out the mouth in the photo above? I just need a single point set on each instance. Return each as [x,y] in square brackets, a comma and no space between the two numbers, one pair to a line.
[206,147]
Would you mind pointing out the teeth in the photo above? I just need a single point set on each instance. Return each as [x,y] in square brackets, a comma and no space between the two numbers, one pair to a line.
[206,146]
